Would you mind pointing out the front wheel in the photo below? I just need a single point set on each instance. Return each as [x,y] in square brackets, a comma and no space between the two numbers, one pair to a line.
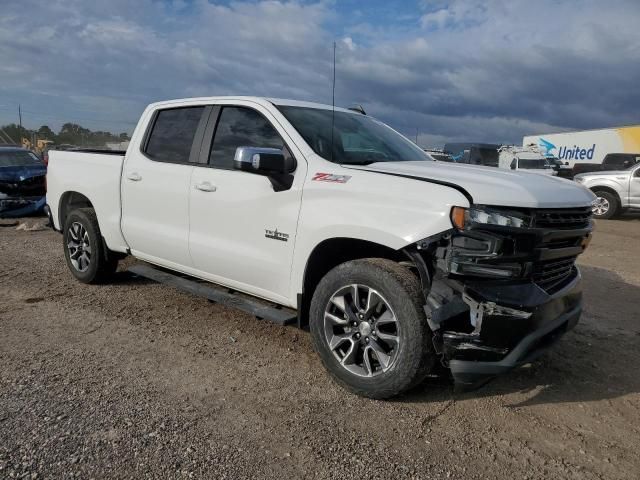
[369,328]
[606,205]
[87,255]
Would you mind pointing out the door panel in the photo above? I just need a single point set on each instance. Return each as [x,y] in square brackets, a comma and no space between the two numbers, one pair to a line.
[233,230]
[156,185]
[242,232]
[155,209]
[634,189]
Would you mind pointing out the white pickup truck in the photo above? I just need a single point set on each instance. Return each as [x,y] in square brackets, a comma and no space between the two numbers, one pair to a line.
[396,263]
[524,158]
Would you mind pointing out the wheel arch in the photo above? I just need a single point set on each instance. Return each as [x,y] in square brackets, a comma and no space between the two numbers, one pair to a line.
[69,201]
[330,253]
[604,188]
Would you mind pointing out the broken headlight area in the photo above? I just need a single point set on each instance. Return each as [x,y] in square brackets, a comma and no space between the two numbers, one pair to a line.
[18,186]
[479,254]
[500,279]
[21,195]
[515,244]
[479,215]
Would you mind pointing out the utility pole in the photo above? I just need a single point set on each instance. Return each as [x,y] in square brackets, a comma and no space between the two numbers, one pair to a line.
[20,116]
[416,135]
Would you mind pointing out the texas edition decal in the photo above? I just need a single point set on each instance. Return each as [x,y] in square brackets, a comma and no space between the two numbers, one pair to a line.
[276,235]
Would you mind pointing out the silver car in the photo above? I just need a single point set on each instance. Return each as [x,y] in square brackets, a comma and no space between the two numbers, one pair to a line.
[617,190]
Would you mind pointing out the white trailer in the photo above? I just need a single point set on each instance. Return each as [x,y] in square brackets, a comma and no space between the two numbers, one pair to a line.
[587,146]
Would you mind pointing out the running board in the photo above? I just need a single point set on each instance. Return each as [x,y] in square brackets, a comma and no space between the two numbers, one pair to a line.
[259,308]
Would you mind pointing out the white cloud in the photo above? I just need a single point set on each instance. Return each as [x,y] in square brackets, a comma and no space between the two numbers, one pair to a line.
[457,14]
[468,69]
[349,43]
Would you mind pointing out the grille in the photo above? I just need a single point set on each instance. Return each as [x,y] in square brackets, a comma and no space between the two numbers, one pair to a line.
[573,218]
[552,275]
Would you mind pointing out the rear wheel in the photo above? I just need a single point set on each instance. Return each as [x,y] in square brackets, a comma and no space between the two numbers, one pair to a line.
[369,329]
[86,253]
[606,205]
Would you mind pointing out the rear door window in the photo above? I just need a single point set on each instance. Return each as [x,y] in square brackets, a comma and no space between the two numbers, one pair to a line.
[240,127]
[172,135]
[620,160]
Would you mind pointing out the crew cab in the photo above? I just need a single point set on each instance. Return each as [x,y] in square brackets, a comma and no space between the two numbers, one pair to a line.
[616,191]
[396,263]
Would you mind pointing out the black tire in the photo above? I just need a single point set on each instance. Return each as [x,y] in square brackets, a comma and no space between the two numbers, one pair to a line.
[414,358]
[608,199]
[102,262]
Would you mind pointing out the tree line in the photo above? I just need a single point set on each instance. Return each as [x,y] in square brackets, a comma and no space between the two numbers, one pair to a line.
[69,133]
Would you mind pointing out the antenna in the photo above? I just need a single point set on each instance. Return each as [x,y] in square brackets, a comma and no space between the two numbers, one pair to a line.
[333,98]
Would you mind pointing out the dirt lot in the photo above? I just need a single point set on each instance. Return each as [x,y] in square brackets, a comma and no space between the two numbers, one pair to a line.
[136,380]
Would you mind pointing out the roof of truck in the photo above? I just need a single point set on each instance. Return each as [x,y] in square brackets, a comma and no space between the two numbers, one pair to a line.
[259,100]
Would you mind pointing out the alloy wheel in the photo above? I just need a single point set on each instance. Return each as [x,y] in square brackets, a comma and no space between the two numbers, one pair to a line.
[601,206]
[361,330]
[79,247]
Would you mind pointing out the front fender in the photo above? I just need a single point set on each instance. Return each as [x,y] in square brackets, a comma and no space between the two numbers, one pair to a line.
[390,211]
[609,183]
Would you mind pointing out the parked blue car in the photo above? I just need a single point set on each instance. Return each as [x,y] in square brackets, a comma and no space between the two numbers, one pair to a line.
[22,182]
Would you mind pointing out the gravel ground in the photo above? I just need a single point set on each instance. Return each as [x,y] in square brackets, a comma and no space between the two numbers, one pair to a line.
[137,380]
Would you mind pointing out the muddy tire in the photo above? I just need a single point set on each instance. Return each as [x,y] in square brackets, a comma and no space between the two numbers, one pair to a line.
[368,326]
[86,253]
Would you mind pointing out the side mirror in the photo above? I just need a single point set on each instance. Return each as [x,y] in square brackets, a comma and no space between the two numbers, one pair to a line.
[263,161]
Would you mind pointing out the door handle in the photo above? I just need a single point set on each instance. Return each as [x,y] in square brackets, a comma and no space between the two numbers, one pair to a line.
[205,187]
[134,176]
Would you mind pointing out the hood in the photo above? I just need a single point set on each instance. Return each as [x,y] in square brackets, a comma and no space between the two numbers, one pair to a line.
[606,173]
[21,173]
[491,185]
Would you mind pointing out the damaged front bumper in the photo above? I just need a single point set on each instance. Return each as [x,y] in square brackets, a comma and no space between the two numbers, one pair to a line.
[497,296]
[514,324]
[21,207]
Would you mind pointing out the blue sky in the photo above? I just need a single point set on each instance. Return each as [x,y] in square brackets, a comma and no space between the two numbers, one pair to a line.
[457,70]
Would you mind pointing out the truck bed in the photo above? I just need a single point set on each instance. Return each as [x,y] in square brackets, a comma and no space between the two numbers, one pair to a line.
[93,174]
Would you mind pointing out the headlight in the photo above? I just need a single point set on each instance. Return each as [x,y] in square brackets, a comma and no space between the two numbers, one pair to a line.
[461,217]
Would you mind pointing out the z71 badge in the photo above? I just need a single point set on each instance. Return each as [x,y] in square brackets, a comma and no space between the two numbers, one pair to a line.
[276,235]
[330,177]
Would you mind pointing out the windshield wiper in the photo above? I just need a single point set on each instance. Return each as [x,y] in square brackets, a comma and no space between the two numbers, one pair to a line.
[361,162]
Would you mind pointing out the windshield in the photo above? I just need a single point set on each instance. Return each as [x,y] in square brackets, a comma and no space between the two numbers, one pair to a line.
[18,158]
[357,139]
[537,163]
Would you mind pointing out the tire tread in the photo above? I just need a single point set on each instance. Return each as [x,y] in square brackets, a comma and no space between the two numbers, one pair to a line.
[421,354]
[107,262]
